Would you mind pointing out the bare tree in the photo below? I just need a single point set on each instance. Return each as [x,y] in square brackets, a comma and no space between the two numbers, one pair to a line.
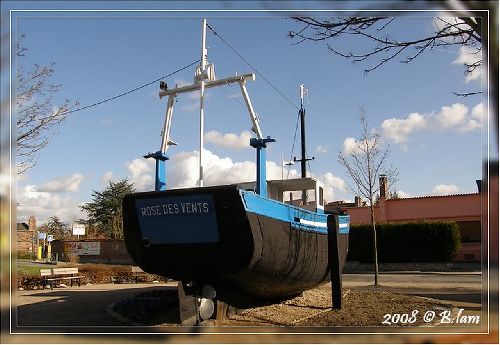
[54,226]
[365,161]
[36,115]
[448,31]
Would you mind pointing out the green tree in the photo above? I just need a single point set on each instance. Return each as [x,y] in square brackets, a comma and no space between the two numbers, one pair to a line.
[104,213]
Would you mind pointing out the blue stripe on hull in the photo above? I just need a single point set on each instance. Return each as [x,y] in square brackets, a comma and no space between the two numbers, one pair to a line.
[299,218]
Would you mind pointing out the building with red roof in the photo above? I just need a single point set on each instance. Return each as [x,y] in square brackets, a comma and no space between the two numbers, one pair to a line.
[465,209]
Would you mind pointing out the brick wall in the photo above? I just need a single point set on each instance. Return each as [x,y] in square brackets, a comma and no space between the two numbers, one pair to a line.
[26,241]
[110,252]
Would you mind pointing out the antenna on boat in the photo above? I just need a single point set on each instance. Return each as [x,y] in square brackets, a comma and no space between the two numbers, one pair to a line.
[302,113]
[303,159]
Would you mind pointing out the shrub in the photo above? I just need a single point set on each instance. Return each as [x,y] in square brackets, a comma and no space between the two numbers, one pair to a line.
[73,258]
[25,255]
[405,242]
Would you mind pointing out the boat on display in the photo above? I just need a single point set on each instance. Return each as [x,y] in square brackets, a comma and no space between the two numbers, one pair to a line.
[251,242]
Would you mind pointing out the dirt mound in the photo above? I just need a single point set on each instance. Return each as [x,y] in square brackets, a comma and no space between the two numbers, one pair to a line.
[312,308]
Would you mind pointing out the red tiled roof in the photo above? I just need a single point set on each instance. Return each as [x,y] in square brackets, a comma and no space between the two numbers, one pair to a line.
[432,196]
[349,204]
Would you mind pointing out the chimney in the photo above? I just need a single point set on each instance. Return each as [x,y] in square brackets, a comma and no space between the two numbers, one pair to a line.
[357,201]
[383,186]
[32,223]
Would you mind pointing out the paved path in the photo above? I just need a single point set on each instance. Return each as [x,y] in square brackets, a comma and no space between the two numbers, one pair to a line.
[86,306]
[460,289]
[75,306]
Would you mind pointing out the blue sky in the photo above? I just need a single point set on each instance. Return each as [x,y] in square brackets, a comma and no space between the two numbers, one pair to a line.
[437,139]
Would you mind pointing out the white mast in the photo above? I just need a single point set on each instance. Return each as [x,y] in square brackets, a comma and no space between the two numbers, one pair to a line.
[203,63]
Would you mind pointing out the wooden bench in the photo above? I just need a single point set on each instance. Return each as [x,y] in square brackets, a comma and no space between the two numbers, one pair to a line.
[49,276]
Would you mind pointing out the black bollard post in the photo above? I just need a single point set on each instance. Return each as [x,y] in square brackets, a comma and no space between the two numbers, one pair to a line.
[334,261]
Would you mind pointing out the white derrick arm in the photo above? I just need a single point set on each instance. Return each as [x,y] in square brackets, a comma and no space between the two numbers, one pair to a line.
[166,141]
[251,112]
[208,84]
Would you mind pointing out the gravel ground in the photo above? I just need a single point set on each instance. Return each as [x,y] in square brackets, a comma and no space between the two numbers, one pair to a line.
[361,308]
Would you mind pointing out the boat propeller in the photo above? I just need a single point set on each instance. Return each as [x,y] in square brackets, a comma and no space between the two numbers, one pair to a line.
[206,308]
[206,305]
[196,304]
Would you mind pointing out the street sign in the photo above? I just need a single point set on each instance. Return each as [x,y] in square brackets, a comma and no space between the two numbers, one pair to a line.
[78,229]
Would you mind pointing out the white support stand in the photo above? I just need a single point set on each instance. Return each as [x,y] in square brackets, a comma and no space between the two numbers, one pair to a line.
[205,78]
[251,112]
[166,141]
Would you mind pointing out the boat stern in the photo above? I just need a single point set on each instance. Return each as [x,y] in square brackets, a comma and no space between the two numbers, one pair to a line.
[188,234]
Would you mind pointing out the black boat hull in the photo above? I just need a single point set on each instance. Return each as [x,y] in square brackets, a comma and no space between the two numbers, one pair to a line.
[249,258]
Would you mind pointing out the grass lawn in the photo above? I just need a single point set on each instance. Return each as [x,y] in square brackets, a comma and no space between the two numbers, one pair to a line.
[27,269]
[92,273]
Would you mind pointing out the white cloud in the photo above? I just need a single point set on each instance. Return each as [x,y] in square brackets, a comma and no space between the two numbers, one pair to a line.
[445,189]
[450,25]
[353,146]
[469,56]
[142,173]
[332,182]
[403,195]
[65,184]
[475,121]
[349,146]
[320,149]
[456,117]
[470,125]
[398,130]
[478,113]
[229,140]
[451,116]
[183,172]
[108,177]
[42,205]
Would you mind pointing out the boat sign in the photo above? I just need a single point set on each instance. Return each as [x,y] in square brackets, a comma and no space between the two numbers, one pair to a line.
[160,219]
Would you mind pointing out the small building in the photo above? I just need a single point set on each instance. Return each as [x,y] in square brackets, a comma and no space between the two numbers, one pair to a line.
[26,236]
[465,209]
